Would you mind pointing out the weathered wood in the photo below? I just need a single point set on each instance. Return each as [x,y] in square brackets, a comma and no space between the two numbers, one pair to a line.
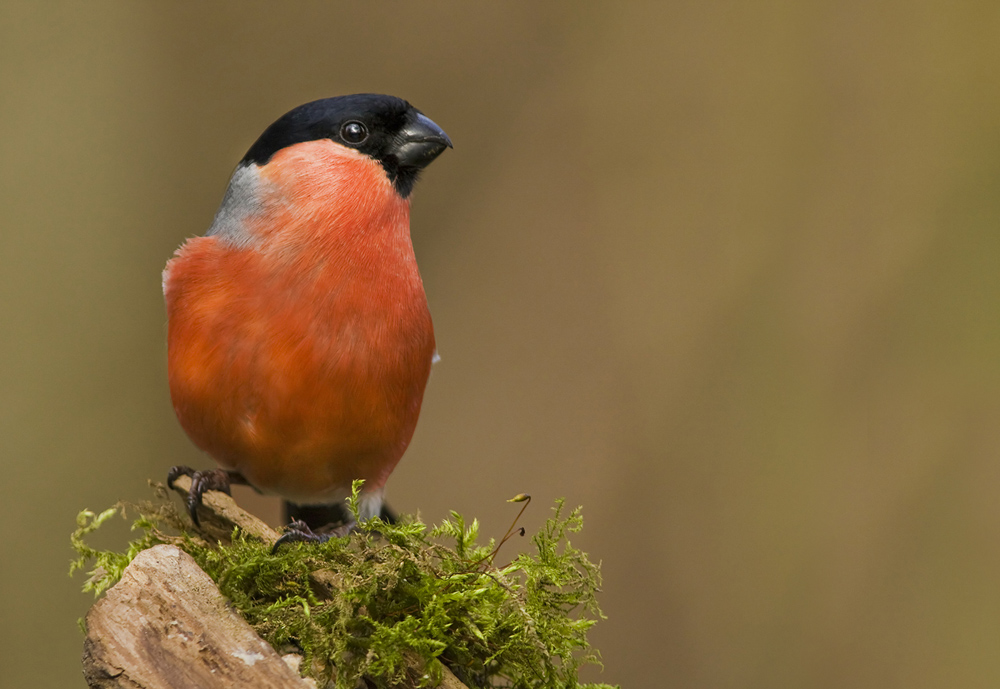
[166,625]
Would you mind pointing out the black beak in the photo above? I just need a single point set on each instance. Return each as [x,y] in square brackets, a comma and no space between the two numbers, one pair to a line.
[420,142]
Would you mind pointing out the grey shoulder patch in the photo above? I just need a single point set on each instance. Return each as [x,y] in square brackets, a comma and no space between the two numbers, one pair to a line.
[246,197]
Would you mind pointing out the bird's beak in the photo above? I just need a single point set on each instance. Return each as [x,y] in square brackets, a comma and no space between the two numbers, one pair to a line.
[420,142]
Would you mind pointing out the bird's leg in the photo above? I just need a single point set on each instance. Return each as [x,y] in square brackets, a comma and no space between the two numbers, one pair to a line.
[201,481]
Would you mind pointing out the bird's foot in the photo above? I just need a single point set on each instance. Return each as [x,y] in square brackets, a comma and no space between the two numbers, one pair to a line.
[299,532]
[201,481]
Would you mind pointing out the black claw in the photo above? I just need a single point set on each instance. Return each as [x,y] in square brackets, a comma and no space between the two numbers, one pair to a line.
[299,532]
[176,472]
[201,481]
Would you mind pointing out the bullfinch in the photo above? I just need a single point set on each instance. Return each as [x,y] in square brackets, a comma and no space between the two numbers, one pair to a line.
[299,341]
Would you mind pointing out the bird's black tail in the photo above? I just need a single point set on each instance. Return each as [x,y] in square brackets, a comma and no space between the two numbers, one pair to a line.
[317,517]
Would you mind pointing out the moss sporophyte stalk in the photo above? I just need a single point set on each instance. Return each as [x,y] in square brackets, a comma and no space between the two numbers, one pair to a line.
[400,592]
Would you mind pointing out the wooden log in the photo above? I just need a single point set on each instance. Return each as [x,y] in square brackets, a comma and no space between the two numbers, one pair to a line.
[166,624]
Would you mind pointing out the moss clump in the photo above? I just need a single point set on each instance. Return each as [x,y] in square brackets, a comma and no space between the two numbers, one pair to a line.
[400,593]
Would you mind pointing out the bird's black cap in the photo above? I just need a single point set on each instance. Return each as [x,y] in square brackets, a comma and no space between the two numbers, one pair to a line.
[386,128]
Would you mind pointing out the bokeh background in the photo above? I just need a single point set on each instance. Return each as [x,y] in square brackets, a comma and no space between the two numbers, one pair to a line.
[725,273]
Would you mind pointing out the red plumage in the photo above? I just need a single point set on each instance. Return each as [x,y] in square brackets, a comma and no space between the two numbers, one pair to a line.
[299,338]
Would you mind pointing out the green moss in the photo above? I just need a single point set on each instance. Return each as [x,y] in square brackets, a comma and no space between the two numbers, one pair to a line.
[401,592]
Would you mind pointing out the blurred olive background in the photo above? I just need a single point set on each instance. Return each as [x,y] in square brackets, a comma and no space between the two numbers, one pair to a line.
[724,273]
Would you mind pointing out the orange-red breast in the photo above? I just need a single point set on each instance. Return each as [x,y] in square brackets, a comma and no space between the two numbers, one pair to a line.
[299,338]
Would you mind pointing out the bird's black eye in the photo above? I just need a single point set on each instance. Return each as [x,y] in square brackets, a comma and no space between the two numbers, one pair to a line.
[353,132]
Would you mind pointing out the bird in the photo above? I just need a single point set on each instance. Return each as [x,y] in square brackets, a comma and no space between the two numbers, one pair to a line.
[299,338]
